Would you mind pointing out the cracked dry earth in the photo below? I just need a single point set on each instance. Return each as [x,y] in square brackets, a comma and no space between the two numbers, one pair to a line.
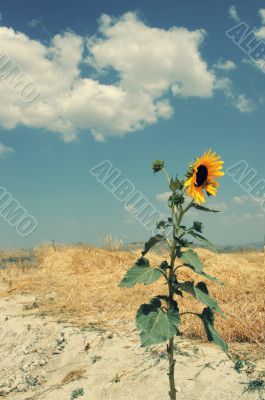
[43,359]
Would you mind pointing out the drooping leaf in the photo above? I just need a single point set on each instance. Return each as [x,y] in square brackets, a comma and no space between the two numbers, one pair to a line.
[207,318]
[212,278]
[202,239]
[151,242]
[208,276]
[156,324]
[191,258]
[192,261]
[200,292]
[141,272]
[202,208]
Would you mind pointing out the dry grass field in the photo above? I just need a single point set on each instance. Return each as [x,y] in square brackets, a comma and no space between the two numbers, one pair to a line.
[67,330]
[80,284]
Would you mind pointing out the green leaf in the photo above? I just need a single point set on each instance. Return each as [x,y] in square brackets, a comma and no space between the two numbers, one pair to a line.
[200,292]
[141,272]
[192,261]
[151,242]
[205,241]
[207,318]
[156,324]
[208,276]
[201,208]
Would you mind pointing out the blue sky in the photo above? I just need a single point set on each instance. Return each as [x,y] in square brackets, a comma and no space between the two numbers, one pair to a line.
[127,82]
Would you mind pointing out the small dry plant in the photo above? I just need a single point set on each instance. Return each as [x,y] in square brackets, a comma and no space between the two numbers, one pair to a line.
[111,243]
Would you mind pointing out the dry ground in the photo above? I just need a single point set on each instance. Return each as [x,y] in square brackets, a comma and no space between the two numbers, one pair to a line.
[67,330]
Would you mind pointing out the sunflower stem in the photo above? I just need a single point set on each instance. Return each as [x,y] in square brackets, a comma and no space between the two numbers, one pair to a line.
[177,217]
[166,175]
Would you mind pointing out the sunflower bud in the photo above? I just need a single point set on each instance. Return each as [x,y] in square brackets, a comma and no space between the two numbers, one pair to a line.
[164,265]
[197,226]
[158,165]
[178,198]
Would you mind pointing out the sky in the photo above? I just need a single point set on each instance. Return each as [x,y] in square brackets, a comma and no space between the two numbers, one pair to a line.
[126,83]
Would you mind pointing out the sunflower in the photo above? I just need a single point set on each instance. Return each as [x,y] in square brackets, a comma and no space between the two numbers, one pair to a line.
[202,176]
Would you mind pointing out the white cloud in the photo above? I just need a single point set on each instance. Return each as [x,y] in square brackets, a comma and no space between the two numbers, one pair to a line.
[240,102]
[260,33]
[240,200]
[163,197]
[246,199]
[5,150]
[149,63]
[232,219]
[262,15]
[227,65]
[260,64]
[243,104]
[34,22]
[232,12]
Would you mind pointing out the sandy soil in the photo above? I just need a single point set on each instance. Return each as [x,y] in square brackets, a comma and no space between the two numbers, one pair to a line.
[43,359]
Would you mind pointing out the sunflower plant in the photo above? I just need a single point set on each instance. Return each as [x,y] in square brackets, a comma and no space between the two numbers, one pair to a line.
[159,320]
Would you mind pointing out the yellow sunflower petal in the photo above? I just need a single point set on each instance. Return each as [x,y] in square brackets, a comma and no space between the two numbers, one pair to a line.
[206,169]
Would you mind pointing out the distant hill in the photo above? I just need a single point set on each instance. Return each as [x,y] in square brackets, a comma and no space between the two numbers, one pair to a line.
[162,247]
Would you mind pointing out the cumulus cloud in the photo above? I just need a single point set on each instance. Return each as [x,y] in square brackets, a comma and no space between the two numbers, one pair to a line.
[227,65]
[232,12]
[144,64]
[262,15]
[260,33]
[5,150]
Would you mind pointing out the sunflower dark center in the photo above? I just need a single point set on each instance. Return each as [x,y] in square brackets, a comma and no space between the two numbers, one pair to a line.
[201,175]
